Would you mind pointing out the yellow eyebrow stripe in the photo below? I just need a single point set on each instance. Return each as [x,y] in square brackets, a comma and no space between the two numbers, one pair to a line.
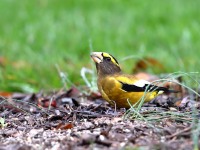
[112,59]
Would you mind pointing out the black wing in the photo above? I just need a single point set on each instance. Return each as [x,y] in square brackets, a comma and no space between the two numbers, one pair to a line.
[147,87]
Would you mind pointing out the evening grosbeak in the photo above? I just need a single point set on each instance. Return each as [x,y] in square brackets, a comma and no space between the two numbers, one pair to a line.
[118,88]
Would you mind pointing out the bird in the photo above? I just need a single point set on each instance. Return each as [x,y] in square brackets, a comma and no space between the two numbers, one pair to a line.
[119,89]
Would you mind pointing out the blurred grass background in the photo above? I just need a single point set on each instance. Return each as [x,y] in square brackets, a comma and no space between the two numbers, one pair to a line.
[36,35]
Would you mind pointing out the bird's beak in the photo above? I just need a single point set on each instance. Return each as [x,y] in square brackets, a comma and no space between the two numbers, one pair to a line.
[97,57]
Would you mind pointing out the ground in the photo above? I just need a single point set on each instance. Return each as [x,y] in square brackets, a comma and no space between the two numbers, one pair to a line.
[79,121]
[47,49]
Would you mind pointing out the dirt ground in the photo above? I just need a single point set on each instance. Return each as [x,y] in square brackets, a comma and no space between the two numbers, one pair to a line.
[73,120]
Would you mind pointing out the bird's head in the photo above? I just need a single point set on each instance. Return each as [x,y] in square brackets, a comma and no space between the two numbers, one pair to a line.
[106,64]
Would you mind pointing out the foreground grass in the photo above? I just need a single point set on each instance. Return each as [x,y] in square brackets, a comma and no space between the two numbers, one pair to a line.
[37,35]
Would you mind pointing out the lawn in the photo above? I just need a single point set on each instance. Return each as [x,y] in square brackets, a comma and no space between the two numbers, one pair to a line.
[40,40]
[35,36]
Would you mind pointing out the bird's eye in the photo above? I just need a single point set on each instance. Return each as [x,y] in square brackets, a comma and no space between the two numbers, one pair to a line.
[107,58]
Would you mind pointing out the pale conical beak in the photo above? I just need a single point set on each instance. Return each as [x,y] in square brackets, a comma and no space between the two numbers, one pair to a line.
[97,57]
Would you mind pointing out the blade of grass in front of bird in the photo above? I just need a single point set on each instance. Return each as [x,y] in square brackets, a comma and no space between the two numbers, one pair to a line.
[196,133]
[183,116]
[94,77]
[141,101]
[137,115]
[195,123]
[65,80]
[133,110]
[187,87]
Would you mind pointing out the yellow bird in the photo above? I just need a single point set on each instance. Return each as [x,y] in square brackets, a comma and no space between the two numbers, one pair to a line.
[118,88]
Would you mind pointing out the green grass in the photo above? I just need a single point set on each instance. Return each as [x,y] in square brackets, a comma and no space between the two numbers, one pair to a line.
[37,35]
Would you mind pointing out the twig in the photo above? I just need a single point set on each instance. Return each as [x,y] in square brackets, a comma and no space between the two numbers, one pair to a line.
[179,133]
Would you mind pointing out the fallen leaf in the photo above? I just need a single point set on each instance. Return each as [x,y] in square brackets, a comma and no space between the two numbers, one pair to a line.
[145,63]
[71,93]
[3,61]
[6,94]
[42,102]
[94,95]
[65,126]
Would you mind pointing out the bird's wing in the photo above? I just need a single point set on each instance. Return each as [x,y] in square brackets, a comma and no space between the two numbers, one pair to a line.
[123,83]
[132,84]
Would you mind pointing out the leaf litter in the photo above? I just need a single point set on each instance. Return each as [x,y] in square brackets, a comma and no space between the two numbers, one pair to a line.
[73,120]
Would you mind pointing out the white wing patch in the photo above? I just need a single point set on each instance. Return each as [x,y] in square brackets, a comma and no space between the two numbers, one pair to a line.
[141,83]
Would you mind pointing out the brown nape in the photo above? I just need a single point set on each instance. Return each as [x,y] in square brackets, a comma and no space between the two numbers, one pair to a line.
[107,68]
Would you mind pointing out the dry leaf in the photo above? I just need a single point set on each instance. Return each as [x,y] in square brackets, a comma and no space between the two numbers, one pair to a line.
[147,62]
[42,102]
[3,61]
[6,94]
[65,126]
